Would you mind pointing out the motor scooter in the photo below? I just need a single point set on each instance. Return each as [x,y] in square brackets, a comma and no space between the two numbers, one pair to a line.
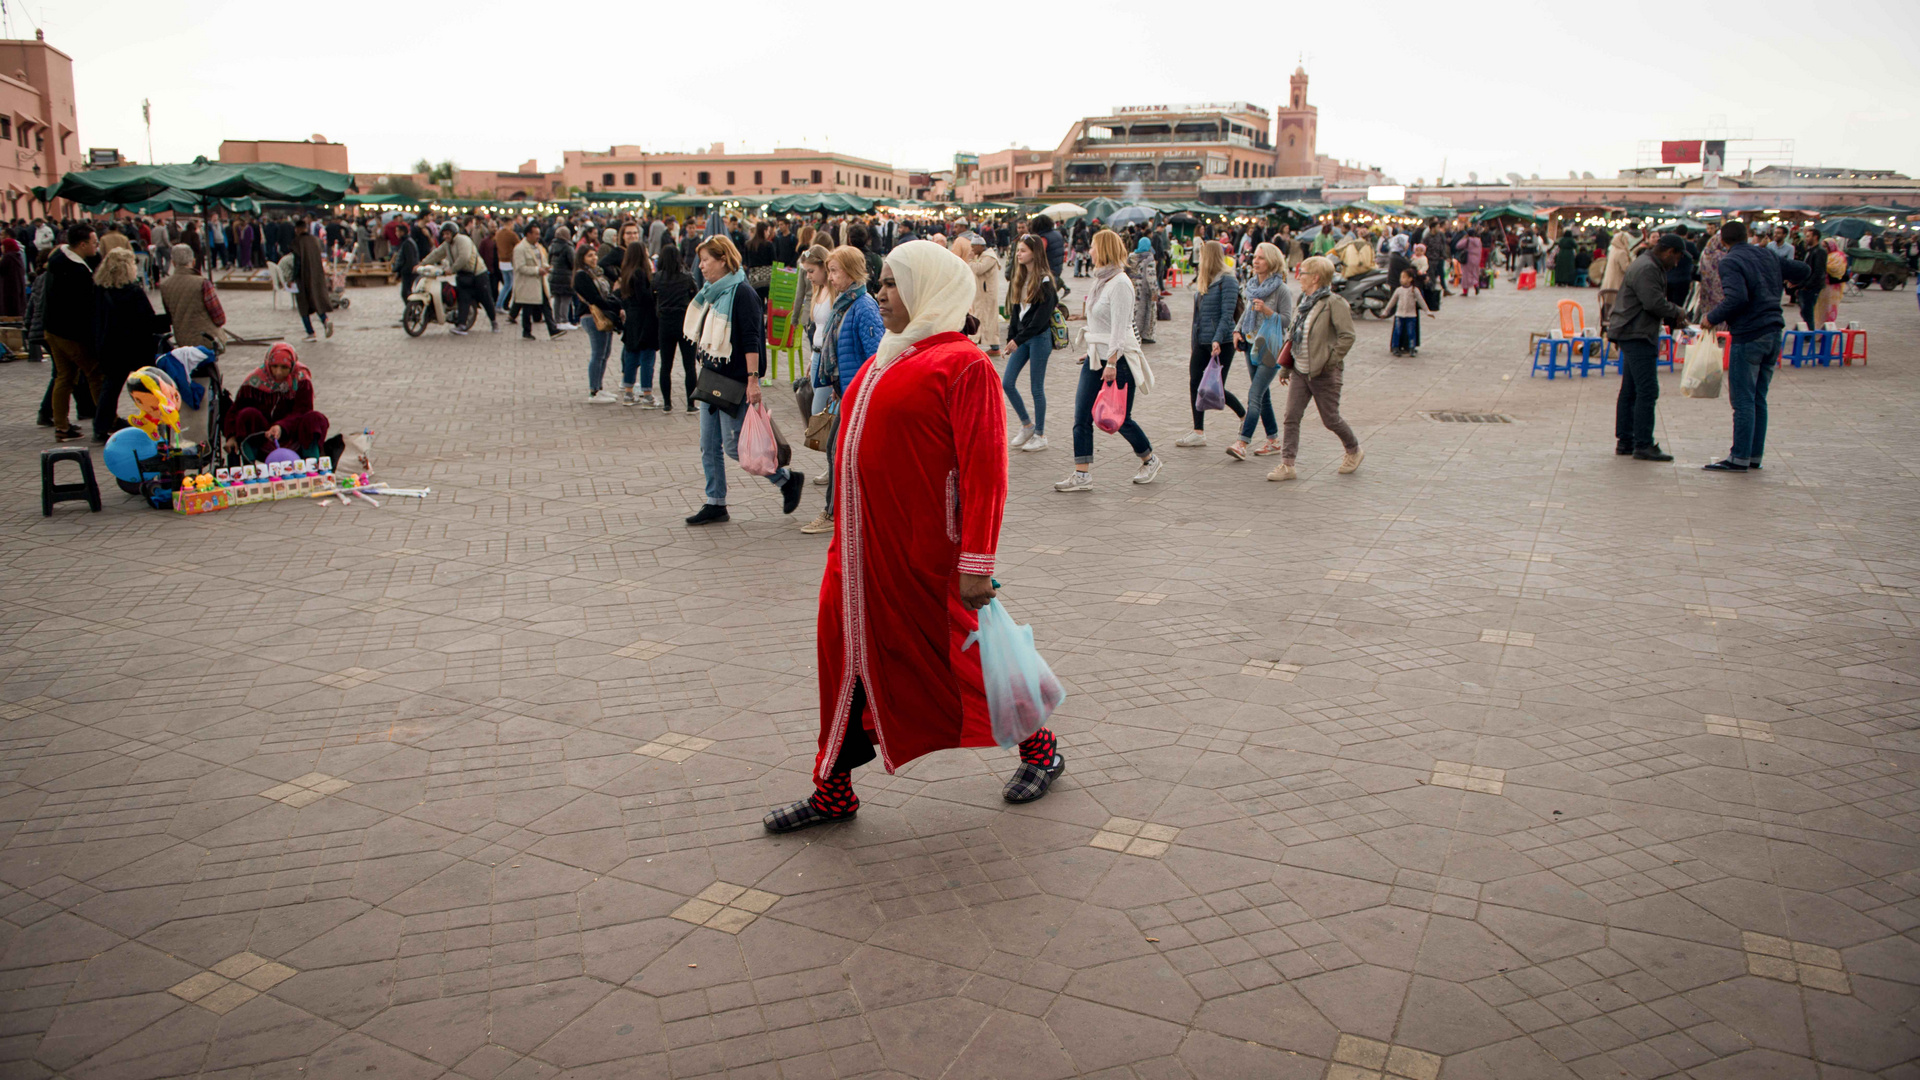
[434,300]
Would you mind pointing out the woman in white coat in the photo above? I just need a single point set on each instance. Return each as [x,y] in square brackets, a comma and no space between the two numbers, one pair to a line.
[1113,358]
[989,280]
[530,284]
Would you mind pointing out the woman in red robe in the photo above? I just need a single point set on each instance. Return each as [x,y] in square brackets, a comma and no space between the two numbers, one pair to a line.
[922,475]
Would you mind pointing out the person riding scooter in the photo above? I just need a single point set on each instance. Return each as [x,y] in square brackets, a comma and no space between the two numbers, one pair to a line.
[470,281]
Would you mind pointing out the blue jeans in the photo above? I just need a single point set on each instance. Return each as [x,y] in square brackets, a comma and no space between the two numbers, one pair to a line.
[1750,367]
[1260,400]
[720,433]
[1034,351]
[306,320]
[506,290]
[636,360]
[1090,386]
[599,347]
[1406,332]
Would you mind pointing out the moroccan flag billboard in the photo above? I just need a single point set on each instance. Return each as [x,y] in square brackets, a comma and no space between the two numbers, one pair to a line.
[1679,151]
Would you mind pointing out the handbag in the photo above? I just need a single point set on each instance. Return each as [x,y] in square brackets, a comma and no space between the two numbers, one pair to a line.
[820,428]
[760,277]
[1059,329]
[1161,312]
[1286,355]
[600,320]
[721,391]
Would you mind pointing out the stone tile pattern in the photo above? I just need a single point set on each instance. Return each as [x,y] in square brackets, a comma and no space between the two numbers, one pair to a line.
[493,893]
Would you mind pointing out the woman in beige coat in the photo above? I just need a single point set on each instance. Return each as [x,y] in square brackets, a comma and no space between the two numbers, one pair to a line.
[530,294]
[988,281]
[1619,255]
[1322,334]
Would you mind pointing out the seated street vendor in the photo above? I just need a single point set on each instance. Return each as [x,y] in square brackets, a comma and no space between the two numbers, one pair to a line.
[277,401]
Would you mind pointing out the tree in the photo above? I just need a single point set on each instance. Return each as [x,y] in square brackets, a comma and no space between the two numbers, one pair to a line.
[443,173]
[423,166]
[397,185]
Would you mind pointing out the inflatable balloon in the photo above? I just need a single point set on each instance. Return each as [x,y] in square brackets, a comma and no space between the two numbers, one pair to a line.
[280,454]
[124,451]
[156,401]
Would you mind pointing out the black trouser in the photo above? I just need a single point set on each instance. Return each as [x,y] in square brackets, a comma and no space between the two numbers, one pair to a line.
[469,288]
[1639,389]
[856,748]
[666,367]
[527,311]
[1197,367]
[112,378]
[1808,298]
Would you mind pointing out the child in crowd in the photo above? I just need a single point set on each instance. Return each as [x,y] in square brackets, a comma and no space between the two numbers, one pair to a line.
[1406,304]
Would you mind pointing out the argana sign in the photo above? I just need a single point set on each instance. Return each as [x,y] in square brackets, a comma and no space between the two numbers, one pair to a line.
[1192,107]
[1387,193]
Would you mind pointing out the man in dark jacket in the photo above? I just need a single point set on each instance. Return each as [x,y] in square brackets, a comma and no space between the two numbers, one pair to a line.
[1634,325]
[1679,276]
[1044,227]
[71,326]
[1750,282]
[1814,256]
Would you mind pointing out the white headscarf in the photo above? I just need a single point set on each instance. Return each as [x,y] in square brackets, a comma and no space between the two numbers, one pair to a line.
[937,289]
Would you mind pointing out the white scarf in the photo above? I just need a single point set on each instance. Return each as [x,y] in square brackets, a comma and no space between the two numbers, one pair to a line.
[937,288]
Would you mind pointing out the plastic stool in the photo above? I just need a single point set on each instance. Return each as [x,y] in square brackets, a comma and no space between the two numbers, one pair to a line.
[1852,336]
[51,492]
[1552,345]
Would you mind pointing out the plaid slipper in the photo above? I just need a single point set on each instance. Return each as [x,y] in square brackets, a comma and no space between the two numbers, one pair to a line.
[801,815]
[1030,781]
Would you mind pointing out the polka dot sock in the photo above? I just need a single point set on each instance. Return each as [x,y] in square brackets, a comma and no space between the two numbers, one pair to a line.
[834,796]
[1038,749]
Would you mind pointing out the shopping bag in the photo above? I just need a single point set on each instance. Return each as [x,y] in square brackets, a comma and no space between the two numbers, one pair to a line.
[1022,690]
[1268,339]
[1213,389]
[759,452]
[1110,407]
[1700,376]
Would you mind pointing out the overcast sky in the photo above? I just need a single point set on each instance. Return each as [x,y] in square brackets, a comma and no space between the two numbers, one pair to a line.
[1490,88]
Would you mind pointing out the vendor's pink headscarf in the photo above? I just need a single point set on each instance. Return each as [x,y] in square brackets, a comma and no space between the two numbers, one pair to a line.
[281,353]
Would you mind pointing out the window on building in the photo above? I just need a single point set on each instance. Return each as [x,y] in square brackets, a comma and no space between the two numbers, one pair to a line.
[786,176]
[756,178]
[6,127]
[729,177]
[816,176]
[630,179]
[606,179]
[704,178]
[656,179]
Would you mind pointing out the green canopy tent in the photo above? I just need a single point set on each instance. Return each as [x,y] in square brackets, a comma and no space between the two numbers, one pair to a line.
[1852,228]
[173,200]
[382,198]
[831,202]
[1518,210]
[133,183]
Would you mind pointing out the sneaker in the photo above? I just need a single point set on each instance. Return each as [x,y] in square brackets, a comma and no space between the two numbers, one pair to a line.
[456,330]
[708,515]
[1651,453]
[1020,437]
[1350,462]
[1149,469]
[822,479]
[1753,466]
[311,337]
[559,331]
[822,523]
[601,397]
[44,421]
[1238,451]
[1075,481]
[329,325]
[666,405]
[1283,471]
[1271,446]
[1038,442]
[569,326]
[1192,438]
[791,490]
[68,434]
[1623,448]
[1726,465]
[627,398]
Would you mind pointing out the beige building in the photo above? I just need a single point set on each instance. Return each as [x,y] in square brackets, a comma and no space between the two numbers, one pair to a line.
[38,127]
[315,153]
[1012,174]
[1163,151]
[782,171]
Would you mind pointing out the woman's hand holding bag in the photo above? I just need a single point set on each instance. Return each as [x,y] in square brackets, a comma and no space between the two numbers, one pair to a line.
[1110,407]
[759,449]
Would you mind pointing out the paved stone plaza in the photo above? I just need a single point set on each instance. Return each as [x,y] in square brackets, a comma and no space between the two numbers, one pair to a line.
[1503,757]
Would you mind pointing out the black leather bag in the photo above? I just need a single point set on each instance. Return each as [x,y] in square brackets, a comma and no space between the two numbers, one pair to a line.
[719,390]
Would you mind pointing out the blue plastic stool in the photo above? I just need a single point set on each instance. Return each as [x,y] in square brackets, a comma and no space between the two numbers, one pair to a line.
[1553,346]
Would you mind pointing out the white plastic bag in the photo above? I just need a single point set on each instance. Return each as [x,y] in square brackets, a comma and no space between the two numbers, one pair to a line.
[1701,375]
[1021,689]
[759,449]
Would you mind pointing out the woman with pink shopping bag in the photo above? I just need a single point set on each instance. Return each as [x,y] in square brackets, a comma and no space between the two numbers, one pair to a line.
[1114,366]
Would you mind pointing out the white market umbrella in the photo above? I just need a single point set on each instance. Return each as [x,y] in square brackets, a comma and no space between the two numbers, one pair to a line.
[1064,211]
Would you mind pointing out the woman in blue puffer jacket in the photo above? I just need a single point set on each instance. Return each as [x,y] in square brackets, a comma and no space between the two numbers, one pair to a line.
[848,335]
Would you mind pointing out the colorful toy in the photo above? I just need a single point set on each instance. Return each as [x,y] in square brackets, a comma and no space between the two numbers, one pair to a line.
[125,450]
[156,403]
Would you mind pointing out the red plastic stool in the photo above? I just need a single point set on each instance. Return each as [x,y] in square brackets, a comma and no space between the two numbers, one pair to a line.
[1848,356]
[1527,279]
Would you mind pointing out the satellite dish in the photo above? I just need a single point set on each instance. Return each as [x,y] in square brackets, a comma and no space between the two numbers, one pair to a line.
[1513,178]
[1571,175]
[1586,176]
[1473,178]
